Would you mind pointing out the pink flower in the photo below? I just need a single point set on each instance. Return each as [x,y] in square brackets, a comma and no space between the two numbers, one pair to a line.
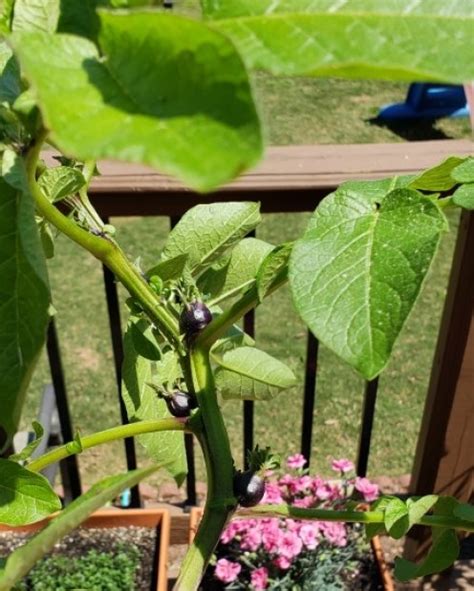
[323,492]
[251,540]
[342,465]
[259,578]
[305,502]
[234,528]
[282,562]
[272,494]
[369,490]
[302,483]
[309,534]
[271,537]
[334,532]
[227,571]
[290,545]
[296,462]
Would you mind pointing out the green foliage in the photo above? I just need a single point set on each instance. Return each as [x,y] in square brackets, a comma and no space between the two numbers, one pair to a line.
[205,232]
[247,373]
[92,116]
[353,39]
[25,497]
[35,15]
[464,173]
[21,561]
[464,196]
[438,178]
[238,273]
[273,268]
[396,518]
[26,452]
[107,571]
[358,270]
[60,182]
[142,402]
[25,301]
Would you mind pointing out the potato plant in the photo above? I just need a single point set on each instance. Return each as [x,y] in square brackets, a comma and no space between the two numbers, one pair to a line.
[122,80]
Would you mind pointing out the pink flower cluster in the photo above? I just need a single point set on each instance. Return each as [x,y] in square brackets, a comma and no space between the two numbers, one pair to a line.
[274,544]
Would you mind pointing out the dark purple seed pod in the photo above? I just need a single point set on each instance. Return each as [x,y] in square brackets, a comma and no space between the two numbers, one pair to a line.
[180,404]
[249,488]
[194,318]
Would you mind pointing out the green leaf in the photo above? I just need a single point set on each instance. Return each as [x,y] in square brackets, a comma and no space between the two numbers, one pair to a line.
[25,301]
[239,273]
[396,518]
[142,403]
[25,497]
[273,268]
[443,553]
[169,269]
[438,178]
[24,558]
[247,373]
[375,191]
[131,105]
[375,529]
[10,82]
[235,337]
[35,15]
[14,171]
[464,196]
[7,14]
[46,237]
[464,511]
[354,38]
[26,452]
[356,273]
[418,508]
[143,342]
[61,181]
[464,173]
[75,446]
[205,232]
[79,18]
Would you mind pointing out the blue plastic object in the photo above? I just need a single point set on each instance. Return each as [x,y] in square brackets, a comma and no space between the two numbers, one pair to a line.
[428,101]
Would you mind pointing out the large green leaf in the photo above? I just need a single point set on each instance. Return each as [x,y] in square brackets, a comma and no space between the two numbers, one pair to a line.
[390,39]
[205,232]
[24,302]
[247,373]
[25,557]
[238,273]
[167,90]
[35,15]
[10,83]
[61,181]
[142,402]
[438,178]
[357,271]
[396,518]
[25,497]
[442,554]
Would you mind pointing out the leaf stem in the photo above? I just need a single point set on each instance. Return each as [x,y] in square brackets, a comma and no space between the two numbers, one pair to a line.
[121,432]
[265,511]
[103,249]
[222,323]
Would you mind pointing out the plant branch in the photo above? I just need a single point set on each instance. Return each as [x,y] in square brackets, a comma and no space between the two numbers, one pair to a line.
[121,432]
[265,511]
[105,250]
[220,502]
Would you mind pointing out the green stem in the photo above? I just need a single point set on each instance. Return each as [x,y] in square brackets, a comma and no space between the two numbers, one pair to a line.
[218,327]
[105,250]
[121,432]
[220,502]
[265,511]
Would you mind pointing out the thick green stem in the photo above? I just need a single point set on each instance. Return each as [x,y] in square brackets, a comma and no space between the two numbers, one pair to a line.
[265,511]
[105,250]
[88,441]
[220,502]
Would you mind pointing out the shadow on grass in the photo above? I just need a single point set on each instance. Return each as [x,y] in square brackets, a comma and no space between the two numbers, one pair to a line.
[412,131]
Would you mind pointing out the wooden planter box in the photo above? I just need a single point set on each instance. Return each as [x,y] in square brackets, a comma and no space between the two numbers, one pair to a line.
[385,575]
[158,519]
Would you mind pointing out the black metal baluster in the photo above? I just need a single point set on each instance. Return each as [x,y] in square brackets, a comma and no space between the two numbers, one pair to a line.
[69,467]
[368,413]
[113,309]
[249,328]
[309,396]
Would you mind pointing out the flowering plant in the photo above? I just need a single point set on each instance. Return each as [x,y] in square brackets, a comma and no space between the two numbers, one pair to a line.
[274,553]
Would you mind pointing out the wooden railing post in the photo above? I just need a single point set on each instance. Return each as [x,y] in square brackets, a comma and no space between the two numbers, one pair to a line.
[445,452]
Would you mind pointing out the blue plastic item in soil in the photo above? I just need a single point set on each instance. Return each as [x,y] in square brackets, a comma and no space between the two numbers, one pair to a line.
[428,101]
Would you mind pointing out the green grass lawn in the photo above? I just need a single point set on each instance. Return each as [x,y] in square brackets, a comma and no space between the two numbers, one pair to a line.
[294,111]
